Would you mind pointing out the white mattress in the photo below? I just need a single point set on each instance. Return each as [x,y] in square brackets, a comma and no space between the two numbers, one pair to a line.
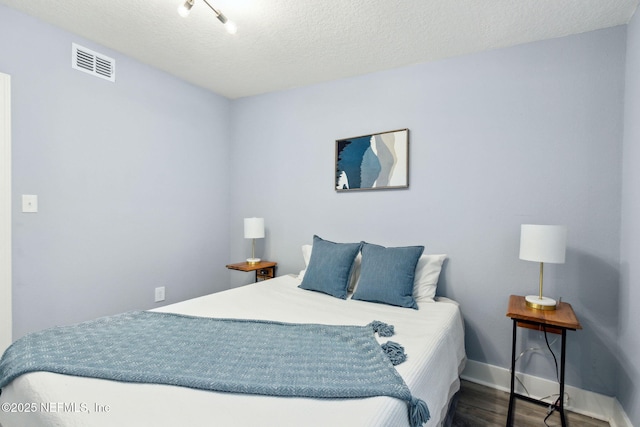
[433,338]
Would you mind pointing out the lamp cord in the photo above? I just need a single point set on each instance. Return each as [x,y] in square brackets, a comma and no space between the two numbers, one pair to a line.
[522,354]
[554,405]
[555,360]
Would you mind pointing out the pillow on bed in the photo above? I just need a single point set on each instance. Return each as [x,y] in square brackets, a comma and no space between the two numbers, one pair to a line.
[355,273]
[330,267]
[427,274]
[387,275]
[306,254]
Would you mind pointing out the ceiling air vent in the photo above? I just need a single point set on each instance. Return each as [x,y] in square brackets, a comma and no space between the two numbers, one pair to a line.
[94,63]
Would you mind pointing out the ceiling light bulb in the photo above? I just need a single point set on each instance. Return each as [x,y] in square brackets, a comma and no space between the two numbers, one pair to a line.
[184,9]
[231,27]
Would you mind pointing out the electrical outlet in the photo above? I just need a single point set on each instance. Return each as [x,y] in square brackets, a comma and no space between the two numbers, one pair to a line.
[159,294]
[29,203]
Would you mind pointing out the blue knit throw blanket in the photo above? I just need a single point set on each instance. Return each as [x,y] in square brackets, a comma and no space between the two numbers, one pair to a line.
[229,355]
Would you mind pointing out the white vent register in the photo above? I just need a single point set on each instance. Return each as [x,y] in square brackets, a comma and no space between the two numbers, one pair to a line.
[94,63]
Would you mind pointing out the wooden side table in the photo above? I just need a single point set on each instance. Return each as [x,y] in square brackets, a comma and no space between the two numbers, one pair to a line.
[556,321]
[264,269]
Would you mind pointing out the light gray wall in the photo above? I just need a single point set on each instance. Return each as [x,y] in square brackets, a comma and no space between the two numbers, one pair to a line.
[529,134]
[629,338]
[132,180]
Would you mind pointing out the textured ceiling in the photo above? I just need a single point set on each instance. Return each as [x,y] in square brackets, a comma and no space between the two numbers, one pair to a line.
[288,43]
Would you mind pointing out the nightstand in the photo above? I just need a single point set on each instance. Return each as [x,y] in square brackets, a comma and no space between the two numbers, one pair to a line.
[265,270]
[557,321]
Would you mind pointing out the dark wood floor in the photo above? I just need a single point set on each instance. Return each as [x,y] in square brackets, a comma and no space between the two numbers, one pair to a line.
[480,406]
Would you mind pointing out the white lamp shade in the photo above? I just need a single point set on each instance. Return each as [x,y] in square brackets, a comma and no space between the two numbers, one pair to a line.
[254,228]
[543,243]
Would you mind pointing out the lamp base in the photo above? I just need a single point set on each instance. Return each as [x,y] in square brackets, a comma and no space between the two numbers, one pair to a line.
[544,303]
[253,260]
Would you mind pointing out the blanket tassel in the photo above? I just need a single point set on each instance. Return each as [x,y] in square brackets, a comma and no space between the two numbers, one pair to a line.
[383,329]
[418,412]
[395,352]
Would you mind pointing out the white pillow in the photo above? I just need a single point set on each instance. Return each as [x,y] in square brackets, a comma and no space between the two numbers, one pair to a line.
[355,273]
[427,274]
[306,254]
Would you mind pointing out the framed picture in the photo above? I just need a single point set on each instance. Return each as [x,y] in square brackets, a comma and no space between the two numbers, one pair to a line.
[373,162]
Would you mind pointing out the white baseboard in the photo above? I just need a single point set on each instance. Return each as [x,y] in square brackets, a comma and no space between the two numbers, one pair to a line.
[619,417]
[580,401]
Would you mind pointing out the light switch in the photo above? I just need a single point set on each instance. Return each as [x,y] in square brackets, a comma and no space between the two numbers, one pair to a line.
[29,203]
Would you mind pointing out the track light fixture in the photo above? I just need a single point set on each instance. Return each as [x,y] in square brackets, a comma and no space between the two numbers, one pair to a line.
[185,8]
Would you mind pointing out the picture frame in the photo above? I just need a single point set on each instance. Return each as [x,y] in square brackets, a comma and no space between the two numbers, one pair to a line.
[378,161]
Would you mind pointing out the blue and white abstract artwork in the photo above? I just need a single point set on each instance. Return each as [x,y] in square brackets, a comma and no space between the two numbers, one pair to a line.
[372,162]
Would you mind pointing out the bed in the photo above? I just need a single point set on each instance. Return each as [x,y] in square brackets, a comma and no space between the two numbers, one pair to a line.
[432,336]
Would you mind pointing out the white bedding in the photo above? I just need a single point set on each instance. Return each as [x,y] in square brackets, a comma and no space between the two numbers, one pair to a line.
[433,338]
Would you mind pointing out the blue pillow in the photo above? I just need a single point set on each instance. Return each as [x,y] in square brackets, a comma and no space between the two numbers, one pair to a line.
[387,275]
[330,267]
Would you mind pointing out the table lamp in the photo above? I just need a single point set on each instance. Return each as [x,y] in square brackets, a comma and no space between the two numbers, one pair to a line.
[253,229]
[542,243]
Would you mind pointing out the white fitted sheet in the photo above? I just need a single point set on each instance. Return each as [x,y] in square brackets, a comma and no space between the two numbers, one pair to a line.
[433,337]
